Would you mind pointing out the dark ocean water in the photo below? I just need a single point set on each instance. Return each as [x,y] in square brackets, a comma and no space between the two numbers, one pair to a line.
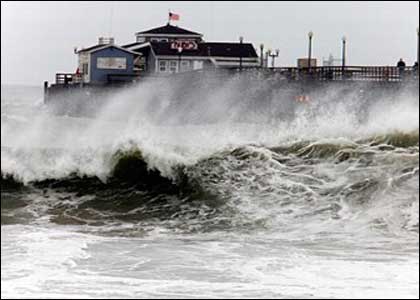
[321,205]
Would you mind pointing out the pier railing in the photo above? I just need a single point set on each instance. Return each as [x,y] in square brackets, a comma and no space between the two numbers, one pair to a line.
[348,73]
[67,78]
[71,78]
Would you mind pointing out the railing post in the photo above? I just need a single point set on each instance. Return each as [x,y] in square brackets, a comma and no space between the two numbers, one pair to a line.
[45,91]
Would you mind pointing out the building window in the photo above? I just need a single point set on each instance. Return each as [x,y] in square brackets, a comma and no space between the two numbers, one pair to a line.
[163,66]
[140,39]
[185,65]
[157,40]
[198,65]
[111,63]
[173,67]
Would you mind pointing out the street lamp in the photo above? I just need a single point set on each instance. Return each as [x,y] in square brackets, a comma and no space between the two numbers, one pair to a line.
[241,41]
[267,55]
[179,58]
[343,56]
[273,56]
[262,55]
[310,35]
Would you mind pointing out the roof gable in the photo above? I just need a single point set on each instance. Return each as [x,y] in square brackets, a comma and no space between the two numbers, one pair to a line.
[97,48]
[169,29]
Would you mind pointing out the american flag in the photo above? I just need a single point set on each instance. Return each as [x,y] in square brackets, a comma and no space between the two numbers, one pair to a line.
[173,17]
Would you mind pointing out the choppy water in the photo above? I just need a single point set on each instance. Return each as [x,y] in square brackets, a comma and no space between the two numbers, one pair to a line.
[323,205]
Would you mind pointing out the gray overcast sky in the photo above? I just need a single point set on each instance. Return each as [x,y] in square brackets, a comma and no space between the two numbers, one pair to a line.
[37,38]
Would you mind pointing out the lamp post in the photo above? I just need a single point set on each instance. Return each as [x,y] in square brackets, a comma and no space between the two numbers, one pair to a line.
[262,55]
[267,55]
[310,35]
[343,56]
[179,58]
[241,41]
[273,56]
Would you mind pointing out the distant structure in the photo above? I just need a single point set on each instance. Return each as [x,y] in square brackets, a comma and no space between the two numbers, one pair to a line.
[159,51]
[304,63]
[332,62]
[169,49]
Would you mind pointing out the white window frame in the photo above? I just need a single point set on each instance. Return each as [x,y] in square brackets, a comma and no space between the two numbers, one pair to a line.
[111,63]
[163,66]
[173,66]
[185,65]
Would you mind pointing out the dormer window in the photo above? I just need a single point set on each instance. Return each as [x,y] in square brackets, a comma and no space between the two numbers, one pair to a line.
[159,40]
[141,39]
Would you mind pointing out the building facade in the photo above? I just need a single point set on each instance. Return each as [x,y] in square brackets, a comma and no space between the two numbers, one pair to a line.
[170,49]
[160,51]
[106,62]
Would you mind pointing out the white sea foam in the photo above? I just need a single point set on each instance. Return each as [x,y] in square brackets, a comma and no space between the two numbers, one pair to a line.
[292,223]
[128,119]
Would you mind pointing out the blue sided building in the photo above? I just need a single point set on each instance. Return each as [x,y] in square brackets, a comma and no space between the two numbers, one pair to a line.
[105,63]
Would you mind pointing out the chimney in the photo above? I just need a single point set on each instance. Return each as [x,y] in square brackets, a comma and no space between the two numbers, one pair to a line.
[106,41]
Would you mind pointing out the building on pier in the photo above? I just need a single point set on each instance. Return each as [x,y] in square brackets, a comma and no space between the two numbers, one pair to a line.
[159,51]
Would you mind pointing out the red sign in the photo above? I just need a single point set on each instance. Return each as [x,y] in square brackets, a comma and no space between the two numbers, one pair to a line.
[184,45]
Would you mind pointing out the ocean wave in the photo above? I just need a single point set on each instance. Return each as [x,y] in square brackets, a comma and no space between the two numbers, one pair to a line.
[244,186]
[249,187]
[129,163]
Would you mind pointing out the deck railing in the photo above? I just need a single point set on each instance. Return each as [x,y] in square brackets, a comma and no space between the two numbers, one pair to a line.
[67,78]
[349,73]
[71,78]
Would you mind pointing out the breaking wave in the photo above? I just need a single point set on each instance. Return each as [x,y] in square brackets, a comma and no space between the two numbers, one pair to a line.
[146,163]
[241,188]
[131,167]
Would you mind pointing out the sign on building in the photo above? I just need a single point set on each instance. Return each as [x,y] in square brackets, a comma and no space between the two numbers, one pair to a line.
[113,63]
[184,45]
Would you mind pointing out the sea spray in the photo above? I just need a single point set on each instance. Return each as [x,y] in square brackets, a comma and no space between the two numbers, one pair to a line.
[146,189]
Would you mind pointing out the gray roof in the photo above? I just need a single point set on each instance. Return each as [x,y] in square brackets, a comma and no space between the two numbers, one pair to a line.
[169,29]
[100,47]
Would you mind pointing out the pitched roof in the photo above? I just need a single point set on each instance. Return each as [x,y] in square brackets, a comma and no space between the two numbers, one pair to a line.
[169,29]
[100,47]
[245,50]
[128,46]
[90,49]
